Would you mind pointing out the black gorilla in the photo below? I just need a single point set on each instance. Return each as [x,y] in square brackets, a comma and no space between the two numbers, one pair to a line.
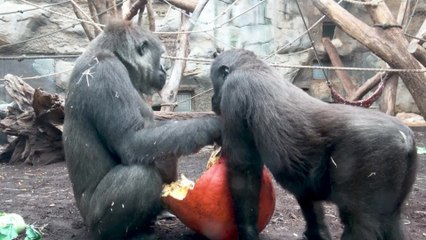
[361,160]
[117,157]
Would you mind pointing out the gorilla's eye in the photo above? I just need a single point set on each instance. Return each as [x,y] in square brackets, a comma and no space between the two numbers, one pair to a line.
[225,71]
[141,49]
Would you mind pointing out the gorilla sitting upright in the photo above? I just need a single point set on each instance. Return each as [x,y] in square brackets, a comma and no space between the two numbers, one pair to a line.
[117,157]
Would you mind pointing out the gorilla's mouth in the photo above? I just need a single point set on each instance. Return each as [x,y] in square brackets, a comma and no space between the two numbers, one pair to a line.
[158,86]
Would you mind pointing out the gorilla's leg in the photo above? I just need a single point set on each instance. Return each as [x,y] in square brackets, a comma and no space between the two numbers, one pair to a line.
[359,226]
[125,201]
[368,226]
[393,229]
[369,200]
[313,212]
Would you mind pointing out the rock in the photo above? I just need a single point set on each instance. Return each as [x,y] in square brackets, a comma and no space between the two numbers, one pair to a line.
[19,27]
[65,67]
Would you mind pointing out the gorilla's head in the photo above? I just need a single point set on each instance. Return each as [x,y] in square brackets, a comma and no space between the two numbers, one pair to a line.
[223,66]
[141,55]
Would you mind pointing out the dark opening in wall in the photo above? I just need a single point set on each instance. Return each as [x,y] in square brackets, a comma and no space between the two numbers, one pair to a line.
[328,29]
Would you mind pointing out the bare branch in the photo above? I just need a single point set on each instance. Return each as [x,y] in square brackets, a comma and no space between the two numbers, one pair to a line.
[85,26]
[75,5]
[111,4]
[415,47]
[94,15]
[100,6]
[169,92]
[368,85]
[389,95]
[136,7]
[150,13]
[187,5]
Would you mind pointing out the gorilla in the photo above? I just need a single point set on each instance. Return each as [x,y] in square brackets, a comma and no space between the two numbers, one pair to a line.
[117,156]
[361,160]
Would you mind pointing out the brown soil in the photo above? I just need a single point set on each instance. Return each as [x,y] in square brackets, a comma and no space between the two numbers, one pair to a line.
[43,196]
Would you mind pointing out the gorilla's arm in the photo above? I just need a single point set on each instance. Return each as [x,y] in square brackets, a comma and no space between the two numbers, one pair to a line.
[128,133]
[243,160]
[168,140]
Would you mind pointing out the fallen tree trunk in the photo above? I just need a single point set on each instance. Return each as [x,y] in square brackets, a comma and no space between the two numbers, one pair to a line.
[39,141]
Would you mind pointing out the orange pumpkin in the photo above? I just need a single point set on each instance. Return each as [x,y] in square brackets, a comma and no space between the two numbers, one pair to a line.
[207,208]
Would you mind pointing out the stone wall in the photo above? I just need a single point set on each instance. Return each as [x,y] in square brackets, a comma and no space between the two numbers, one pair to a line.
[267,28]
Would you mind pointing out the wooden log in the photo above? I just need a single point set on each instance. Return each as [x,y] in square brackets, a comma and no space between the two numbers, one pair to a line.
[136,7]
[140,15]
[415,46]
[391,86]
[347,82]
[151,18]
[39,141]
[169,91]
[419,53]
[389,95]
[367,86]
[87,17]
[79,14]
[111,4]
[47,107]
[387,41]
[187,5]
[159,115]
[404,12]
[421,34]
[19,91]
[94,15]
[100,6]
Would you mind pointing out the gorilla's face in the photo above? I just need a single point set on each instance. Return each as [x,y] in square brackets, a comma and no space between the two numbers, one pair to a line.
[218,76]
[225,67]
[151,75]
[141,56]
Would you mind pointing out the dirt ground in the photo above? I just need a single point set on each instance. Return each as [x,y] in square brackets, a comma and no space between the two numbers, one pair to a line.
[43,197]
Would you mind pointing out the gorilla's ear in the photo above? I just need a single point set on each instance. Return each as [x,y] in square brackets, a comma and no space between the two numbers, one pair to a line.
[224,71]
[142,48]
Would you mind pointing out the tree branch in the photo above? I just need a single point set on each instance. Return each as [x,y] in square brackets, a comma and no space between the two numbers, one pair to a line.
[187,5]
[85,26]
[389,43]
[415,47]
[346,80]
[94,15]
[86,16]
[169,92]
[150,13]
[136,7]
[389,95]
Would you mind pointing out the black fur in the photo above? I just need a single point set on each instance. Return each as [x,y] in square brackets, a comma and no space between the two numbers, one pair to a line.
[118,157]
[361,160]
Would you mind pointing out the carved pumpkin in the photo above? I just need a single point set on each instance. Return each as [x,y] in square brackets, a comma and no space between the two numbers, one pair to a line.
[207,208]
